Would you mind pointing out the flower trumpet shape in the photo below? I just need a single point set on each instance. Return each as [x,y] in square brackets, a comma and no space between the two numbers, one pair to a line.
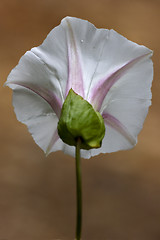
[111,73]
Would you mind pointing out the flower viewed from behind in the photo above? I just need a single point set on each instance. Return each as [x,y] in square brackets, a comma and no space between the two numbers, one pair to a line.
[110,72]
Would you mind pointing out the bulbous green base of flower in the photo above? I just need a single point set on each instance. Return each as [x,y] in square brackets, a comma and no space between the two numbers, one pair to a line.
[79,120]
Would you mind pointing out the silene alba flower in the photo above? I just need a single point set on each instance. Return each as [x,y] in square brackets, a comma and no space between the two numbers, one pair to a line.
[96,77]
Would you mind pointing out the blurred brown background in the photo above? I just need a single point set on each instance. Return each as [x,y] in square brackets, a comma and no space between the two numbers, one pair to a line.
[121,191]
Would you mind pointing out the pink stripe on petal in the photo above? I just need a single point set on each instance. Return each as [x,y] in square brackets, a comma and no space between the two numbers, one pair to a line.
[75,77]
[118,126]
[46,94]
[104,85]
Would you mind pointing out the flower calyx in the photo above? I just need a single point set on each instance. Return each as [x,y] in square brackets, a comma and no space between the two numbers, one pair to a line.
[79,120]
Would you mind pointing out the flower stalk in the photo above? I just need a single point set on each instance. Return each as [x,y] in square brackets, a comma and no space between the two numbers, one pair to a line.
[79,191]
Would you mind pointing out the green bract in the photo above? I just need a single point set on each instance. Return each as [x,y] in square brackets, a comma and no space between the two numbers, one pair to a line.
[79,120]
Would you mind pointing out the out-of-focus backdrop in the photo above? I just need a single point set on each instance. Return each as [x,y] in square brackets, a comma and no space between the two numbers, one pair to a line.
[121,191]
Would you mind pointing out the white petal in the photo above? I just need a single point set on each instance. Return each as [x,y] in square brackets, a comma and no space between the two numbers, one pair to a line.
[113,122]
[134,84]
[37,114]
[131,113]
[108,83]
[53,53]
[33,74]
[112,142]
[89,44]
[101,51]
[117,52]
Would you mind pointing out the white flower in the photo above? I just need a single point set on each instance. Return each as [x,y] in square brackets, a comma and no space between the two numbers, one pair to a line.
[109,71]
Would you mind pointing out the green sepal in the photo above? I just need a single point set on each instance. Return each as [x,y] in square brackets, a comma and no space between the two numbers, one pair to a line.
[79,120]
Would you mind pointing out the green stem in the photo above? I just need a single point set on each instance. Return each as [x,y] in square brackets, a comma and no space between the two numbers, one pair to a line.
[79,191]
